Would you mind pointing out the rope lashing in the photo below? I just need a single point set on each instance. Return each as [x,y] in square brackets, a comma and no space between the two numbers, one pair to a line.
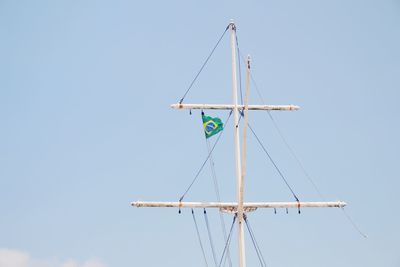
[180,205]
[298,206]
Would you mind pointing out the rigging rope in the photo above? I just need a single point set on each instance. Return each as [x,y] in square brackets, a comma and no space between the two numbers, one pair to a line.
[256,246]
[353,223]
[273,163]
[210,238]
[198,236]
[216,187]
[263,147]
[205,161]
[228,241]
[202,67]
[291,150]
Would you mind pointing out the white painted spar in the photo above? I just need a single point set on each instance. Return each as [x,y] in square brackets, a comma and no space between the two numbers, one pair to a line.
[231,106]
[238,164]
[233,205]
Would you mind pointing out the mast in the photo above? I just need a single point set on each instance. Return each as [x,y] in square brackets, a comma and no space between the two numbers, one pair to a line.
[238,167]
[240,207]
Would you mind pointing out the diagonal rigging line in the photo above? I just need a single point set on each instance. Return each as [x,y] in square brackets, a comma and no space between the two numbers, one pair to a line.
[216,188]
[210,238]
[256,246]
[198,236]
[353,223]
[273,163]
[202,67]
[205,161]
[280,133]
[295,156]
[298,160]
[291,150]
[228,241]
[283,137]
[355,226]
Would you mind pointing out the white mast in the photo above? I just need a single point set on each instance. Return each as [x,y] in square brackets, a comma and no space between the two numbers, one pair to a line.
[240,207]
[238,164]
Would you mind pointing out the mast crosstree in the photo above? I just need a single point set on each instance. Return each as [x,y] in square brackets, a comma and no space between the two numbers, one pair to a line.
[240,207]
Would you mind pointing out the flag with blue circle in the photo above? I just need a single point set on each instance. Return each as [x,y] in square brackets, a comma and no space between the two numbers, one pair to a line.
[211,125]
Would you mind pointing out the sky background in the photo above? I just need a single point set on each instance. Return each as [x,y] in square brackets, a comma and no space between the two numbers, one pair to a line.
[86,128]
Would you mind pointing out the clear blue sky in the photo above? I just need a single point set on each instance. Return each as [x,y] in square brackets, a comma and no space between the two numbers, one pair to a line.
[85,89]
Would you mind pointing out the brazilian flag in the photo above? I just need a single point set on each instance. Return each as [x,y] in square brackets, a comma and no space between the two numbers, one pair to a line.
[211,125]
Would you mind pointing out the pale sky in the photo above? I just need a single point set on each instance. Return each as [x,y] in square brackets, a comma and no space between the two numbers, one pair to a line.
[86,128]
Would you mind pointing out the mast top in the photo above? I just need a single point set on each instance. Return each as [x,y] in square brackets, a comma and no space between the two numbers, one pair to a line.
[232,24]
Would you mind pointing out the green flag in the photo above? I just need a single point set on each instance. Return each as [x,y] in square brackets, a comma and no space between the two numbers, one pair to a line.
[212,126]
